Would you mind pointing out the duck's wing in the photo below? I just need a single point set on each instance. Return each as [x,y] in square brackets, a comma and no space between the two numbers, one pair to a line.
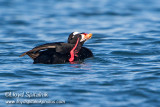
[60,47]
[35,51]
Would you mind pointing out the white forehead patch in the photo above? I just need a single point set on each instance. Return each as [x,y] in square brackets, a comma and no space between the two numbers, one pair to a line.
[75,33]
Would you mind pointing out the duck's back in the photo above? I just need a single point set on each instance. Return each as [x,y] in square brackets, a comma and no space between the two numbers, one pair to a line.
[50,56]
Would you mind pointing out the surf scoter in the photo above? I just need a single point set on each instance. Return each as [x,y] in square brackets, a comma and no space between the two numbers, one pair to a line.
[60,52]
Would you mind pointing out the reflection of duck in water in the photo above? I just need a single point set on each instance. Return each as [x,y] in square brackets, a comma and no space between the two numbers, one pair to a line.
[59,52]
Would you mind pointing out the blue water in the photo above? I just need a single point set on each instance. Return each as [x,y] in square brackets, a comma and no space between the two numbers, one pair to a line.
[125,69]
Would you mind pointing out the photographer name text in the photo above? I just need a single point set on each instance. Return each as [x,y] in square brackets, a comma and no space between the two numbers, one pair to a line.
[26,94]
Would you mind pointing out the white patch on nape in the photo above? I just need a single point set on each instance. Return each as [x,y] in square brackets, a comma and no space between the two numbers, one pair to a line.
[75,33]
[83,38]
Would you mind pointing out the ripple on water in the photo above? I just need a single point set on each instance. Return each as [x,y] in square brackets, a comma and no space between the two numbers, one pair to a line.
[125,53]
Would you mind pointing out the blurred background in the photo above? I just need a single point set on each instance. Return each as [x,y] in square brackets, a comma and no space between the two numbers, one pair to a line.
[126,39]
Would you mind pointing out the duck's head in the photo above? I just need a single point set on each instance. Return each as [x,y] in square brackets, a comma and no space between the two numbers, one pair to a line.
[75,37]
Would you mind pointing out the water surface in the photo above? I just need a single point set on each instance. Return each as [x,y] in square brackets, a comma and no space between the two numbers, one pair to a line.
[124,71]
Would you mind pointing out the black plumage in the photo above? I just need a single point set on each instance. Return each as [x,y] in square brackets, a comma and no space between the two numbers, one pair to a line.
[59,52]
